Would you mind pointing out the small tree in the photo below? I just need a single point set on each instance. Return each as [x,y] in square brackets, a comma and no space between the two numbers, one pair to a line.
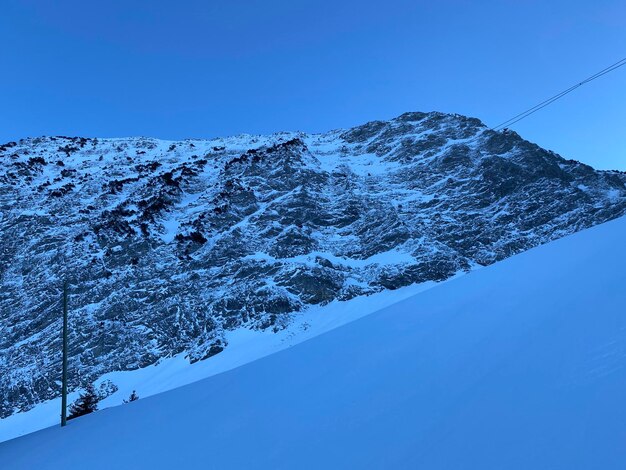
[86,403]
[133,397]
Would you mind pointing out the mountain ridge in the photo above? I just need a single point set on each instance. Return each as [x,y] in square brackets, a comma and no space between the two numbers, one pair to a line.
[168,244]
[518,365]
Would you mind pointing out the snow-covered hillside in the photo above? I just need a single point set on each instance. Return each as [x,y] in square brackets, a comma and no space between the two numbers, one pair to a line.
[521,365]
[169,247]
[245,346]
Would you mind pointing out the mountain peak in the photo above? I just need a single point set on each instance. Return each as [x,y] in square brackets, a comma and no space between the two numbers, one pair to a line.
[168,245]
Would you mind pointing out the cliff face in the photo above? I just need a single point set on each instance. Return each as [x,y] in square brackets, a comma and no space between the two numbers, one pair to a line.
[166,245]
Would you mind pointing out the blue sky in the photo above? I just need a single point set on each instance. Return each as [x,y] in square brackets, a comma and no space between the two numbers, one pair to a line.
[208,68]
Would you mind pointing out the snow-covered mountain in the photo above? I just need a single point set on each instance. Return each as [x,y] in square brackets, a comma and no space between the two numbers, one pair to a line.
[521,365]
[168,246]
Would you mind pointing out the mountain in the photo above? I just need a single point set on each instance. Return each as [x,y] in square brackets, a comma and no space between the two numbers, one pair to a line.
[168,246]
[519,365]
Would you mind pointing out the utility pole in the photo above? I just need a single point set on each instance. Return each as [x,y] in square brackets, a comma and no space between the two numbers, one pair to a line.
[64,380]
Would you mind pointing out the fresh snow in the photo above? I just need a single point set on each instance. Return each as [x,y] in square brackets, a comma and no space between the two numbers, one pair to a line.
[390,257]
[162,239]
[520,365]
[244,345]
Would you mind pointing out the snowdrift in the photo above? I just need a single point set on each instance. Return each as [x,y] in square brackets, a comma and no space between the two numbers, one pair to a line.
[520,365]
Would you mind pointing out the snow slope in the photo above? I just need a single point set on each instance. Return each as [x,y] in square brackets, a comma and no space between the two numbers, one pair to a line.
[516,366]
[170,247]
[246,346]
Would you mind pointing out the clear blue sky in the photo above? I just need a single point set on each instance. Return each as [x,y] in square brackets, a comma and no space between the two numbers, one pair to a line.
[216,67]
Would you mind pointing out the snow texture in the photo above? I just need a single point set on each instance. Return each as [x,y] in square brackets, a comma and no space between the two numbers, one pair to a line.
[521,365]
[170,247]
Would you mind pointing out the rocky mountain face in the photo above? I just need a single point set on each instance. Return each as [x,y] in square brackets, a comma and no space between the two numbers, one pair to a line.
[167,245]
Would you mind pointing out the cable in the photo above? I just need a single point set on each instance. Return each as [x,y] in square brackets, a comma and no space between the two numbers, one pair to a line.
[545,103]
[551,100]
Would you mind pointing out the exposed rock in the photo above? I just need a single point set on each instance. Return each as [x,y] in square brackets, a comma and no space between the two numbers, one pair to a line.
[167,245]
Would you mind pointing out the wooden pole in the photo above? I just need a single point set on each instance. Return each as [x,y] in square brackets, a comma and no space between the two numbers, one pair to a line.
[64,380]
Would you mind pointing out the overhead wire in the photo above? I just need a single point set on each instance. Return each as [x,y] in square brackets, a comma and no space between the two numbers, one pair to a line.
[560,95]
[518,117]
